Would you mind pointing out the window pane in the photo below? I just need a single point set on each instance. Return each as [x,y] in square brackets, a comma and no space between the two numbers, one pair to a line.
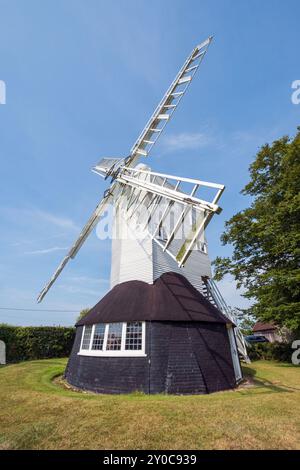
[114,337]
[86,337]
[134,334]
[98,336]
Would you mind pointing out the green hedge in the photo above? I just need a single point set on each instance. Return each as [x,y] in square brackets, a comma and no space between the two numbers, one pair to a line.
[271,351]
[31,342]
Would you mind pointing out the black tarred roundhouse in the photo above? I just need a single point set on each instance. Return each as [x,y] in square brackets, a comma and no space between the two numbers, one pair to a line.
[164,337]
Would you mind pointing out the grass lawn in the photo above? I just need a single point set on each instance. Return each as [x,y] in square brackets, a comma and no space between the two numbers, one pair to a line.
[37,413]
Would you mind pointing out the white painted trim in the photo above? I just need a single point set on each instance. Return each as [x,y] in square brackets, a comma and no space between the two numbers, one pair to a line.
[105,339]
[144,337]
[234,353]
[92,337]
[123,337]
[118,353]
[82,336]
[172,177]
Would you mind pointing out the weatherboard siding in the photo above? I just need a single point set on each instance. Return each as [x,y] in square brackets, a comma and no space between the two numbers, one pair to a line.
[182,358]
[106,374]
[174,368]
[144,260]
[196,266]
[131,259]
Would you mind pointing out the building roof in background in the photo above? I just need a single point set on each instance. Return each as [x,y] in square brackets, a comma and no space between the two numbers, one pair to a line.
[260,326]
[170,298]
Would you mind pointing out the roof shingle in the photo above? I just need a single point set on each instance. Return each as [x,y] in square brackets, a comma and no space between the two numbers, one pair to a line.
[169,298]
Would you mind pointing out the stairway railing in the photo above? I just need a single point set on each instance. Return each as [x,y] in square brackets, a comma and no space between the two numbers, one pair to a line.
[214,295]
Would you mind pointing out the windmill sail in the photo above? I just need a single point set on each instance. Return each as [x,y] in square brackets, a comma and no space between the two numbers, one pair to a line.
[161,115]
[79,242]
[166,107]
[169,208]
[148,137]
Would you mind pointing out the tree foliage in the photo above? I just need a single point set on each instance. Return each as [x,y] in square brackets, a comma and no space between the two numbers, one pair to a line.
[82,314]
[266,235]
[246,321]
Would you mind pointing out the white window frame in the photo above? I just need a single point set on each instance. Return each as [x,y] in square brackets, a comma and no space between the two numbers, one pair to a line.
[118,353]
[92,335]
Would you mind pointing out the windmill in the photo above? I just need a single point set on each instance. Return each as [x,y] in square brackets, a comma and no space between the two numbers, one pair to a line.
[166,215]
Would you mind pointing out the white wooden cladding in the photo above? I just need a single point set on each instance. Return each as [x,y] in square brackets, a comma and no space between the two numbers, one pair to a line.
[197,265]
[140,258]
[131,255]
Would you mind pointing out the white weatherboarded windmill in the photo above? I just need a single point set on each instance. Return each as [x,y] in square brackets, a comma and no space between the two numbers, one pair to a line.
[159,250]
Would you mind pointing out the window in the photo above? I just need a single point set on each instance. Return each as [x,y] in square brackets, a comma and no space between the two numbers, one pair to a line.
[134,336]
[98,338]
[87,337]
[114,339]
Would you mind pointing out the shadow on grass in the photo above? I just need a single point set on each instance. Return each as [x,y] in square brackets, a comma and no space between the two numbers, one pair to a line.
[250,373]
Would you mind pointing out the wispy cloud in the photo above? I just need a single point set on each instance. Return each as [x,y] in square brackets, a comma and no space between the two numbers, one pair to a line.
[45,250]
[34,242]
[35,231]
[90,280]
[39,216]
[186,141]
[59,221]
[85,285]
[82,290]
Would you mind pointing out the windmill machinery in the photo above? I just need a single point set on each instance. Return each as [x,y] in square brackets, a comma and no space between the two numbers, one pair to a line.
[167,215]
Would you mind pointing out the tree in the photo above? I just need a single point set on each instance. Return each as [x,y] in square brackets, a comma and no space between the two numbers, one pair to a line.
[82,314]
[245,320]
[266,235]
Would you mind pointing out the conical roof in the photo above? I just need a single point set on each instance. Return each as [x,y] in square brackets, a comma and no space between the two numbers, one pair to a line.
[170,298]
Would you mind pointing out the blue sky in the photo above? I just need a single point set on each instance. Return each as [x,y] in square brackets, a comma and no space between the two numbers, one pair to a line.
[82,78]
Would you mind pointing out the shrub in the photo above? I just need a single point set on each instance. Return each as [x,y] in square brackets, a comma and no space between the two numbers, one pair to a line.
[31,342]
[271,351]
